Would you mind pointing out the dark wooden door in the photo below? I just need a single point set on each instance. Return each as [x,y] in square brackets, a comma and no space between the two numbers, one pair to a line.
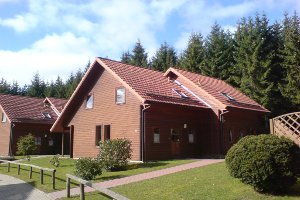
[175,143]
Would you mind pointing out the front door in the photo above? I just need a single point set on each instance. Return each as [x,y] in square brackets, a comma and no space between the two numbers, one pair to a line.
[175,143]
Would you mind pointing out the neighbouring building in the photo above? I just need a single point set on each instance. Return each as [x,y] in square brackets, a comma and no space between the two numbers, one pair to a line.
[21,115]
[167,115]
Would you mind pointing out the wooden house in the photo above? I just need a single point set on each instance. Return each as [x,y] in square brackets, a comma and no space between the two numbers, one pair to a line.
[175,114]
[21,115]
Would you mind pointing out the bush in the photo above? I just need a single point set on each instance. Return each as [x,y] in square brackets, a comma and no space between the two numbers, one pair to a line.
[115,154]
[26,145]
[55,160]
[266,162]
[87,168]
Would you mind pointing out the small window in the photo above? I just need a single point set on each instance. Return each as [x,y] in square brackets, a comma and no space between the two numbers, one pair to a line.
[46,115]
[242,134]
[180,93]
[89,101]
[38,141]
[50,142]
[120,95]
[191,136]
[3,118]
[106,132]
[156,135]
[98,135]
[230,98]
[175,136]
[230,136]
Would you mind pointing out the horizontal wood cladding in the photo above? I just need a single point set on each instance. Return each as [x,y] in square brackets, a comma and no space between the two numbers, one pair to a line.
[4,136]
[124,119]
[167,117]
[38,130]
[241,123]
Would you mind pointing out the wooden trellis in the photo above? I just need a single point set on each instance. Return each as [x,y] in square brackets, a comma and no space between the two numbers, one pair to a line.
[287,125]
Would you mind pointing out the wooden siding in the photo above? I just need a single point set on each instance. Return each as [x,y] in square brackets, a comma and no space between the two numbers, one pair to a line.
[124,119]
[4,135]
[167,117]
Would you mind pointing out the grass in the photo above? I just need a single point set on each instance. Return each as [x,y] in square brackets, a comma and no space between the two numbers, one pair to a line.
[67,166]
[209,182]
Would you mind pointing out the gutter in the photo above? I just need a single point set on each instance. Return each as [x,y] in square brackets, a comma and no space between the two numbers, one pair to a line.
[145,107]
[221,117]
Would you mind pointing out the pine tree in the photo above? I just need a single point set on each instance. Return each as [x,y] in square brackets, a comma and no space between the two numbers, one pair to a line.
[164,58]
[50,90]
[218,58]
[37,87]
[126,57]
[290,86]
[15,88]
[139,56]
[193,56]
[4,86]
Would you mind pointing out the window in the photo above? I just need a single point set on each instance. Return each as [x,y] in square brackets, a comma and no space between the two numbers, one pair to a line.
[175,137]
[180,93]
[38,141]
[120,95]
[89,101]
[98,135]
[230,136]
[106,132]
[230,98]
[50,142]
[191,136]
[46,115]
[3,118]
[156,135]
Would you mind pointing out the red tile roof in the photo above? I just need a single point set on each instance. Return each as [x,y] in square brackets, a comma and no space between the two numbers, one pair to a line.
[151,85]
[58,103]
[215,88]
[27,109]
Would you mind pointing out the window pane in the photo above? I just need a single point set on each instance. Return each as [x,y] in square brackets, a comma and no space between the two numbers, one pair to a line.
[106,132]
[156,135]
[191,138]
[90,101]
[3,117]
[98,135]
[120,95]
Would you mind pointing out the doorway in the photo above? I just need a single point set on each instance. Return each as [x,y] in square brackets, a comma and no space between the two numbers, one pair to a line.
[175,143]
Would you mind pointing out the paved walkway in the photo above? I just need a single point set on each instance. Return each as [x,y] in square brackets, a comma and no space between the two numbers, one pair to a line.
[139,177]
[12,188]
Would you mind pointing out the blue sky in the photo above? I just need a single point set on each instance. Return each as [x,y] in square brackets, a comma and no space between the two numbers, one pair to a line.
[57,37]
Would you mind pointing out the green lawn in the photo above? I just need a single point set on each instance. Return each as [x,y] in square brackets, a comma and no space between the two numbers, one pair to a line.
[67,166]
[209,182]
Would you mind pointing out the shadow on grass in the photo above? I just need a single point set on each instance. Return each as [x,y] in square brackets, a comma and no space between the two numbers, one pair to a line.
[146,165]
[107,178]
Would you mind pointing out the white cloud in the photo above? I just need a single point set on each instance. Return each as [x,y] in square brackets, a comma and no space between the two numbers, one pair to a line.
[51,56]
[20,23]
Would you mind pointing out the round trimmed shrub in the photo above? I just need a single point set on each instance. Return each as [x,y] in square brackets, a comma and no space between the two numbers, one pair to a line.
[87,168]
[266,162]
[115,154]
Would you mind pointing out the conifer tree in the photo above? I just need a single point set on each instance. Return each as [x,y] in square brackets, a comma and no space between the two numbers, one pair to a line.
[164,58]
[192,57]
[37,87]
[218,58]
[139,56]
[4,86]
[15,88]
[290,87]
[126,57]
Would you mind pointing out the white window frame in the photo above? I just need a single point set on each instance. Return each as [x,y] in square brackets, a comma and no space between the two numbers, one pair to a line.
[191,136]
[156,136]
[119,98]
[4,119]
[89,103]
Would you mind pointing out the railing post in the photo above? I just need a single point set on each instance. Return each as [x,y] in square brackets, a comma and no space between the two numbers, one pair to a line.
[53,179]
[81,191]
[42,176]
[30,173]
[8,167]
[19,166]
[68,187]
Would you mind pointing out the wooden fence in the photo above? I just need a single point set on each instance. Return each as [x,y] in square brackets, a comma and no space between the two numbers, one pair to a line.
[287,125]
[42,169]
[92,185]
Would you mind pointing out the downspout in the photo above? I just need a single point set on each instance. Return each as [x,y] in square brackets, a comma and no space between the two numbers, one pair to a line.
[11,140]
[143,128]
[221,129]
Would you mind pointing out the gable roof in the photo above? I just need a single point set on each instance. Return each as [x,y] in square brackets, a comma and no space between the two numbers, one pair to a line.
[27,109]
[56,104]
[219,90]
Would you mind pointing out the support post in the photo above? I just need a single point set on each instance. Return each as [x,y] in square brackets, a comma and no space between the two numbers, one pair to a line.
[271,126]
[62,143]
[68,187]
[19,168]
[42,176]
[81,191]
[8,167]
[30,173]
[53,179]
